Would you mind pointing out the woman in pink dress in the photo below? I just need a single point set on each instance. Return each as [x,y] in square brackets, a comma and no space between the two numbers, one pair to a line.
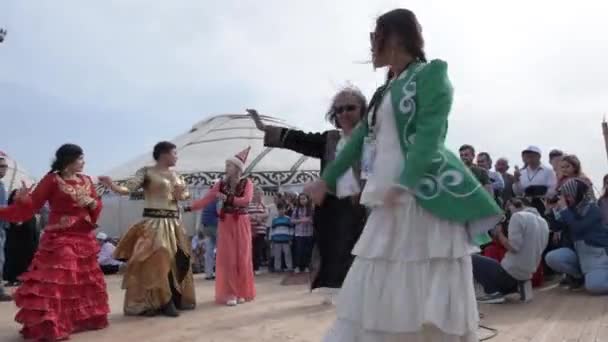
[234,282]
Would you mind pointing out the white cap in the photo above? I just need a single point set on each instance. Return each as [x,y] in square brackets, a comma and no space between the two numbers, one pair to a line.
[533,149]
[102,236]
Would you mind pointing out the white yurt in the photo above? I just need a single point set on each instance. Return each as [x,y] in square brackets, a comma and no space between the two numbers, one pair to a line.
[202,154]
[15,174]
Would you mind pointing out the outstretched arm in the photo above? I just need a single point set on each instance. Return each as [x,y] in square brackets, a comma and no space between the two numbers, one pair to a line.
[25,208]
[209,197]
[130,186]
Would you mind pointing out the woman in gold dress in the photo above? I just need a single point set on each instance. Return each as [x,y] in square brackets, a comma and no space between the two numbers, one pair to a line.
[158,276]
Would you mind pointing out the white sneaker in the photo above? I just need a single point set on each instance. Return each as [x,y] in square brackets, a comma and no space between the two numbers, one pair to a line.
[257,273]
[231,302]
[241,300]
[296,271]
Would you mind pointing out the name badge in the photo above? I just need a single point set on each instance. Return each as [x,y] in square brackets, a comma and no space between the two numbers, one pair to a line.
[368,157]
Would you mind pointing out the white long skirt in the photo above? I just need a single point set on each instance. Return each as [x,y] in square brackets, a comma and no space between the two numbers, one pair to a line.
[412,280]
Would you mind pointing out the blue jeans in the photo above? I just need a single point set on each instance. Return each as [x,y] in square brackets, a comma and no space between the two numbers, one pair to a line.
[584,261]
[492,277]
[210,243]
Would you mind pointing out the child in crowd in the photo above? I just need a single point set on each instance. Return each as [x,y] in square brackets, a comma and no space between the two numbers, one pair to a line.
[281,236]
[303,241]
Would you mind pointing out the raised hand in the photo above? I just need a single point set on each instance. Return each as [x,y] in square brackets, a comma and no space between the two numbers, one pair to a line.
[256,119]
[517,174]
[24,192]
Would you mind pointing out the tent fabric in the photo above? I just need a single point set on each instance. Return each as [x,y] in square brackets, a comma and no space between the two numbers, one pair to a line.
[204,148]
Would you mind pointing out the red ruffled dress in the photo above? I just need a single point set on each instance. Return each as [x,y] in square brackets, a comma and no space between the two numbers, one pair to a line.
[64,290]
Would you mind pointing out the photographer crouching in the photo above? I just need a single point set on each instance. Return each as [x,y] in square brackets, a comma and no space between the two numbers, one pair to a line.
[587,263]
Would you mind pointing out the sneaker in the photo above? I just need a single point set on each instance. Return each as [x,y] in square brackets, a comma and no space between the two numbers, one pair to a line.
[565,282]
[494,298]
[232,302]
[576,284]
[210,277]
[307,270]
[257,273]
[297,271]
[241,301]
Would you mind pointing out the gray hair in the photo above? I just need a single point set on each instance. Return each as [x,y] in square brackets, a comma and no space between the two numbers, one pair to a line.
[351,90]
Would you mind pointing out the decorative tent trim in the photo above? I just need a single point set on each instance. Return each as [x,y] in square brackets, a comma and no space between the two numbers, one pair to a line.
[268,179]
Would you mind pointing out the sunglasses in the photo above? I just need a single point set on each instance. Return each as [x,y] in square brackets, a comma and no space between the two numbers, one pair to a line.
[342,109]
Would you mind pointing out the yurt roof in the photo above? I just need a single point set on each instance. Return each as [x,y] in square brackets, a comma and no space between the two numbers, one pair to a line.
[204,148]
[15,174]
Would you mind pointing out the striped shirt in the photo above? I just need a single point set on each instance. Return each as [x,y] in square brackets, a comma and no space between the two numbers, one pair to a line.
[281,230]
[258,216]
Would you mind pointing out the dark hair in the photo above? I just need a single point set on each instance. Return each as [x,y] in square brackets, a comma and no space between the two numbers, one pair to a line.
[466,147]
[485,154]
[605,194]
[281,206]
[65,155]
[308,206]
[404,24]
[555,154]
[519,202]
[162,148]
[362,102]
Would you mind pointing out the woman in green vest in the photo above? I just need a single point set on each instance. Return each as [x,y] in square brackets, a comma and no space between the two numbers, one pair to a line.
[412,276]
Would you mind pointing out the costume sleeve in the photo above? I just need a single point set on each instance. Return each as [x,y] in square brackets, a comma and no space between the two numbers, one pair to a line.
[308,144]
[135,183]
[181,182]
[96,211]
[209,197]
[244,200]
[22,211]
[434,100]
[347,156]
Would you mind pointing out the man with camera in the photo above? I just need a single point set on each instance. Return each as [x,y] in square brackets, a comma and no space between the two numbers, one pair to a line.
[525,241]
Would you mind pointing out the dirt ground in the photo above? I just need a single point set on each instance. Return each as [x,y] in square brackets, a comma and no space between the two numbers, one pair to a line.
[280,313]
[293,314]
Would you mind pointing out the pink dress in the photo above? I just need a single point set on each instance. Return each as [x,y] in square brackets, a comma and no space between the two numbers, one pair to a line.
[234,266]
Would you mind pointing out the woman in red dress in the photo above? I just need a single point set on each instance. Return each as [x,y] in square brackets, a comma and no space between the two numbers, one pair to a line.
[63,291]
[234,283]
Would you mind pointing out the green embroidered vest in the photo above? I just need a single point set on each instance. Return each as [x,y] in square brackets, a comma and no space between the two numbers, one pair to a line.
[421,101]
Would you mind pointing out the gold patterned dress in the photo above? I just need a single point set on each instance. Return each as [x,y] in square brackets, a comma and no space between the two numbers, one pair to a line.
[157,250]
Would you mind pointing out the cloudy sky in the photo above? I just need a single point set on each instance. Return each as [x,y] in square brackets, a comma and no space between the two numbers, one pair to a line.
[118,75]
